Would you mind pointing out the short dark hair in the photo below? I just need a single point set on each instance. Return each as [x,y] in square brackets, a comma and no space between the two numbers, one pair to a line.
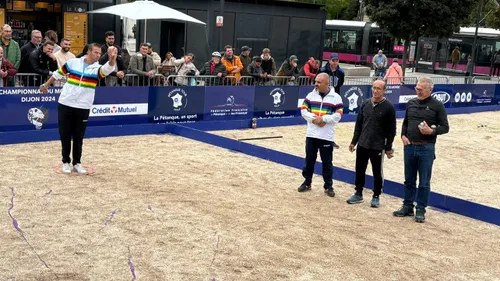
[49,43]
[227,47]
[93,45]
[144,45]
[65,39]
[109,33]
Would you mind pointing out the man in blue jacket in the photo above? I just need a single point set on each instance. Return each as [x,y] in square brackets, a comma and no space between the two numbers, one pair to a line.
[336,73]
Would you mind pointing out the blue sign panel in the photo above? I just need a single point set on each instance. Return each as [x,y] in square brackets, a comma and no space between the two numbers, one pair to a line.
[353,97]
[119,105]
[473,95]
[229,103]
[28,109]
[176,104]
[279,101]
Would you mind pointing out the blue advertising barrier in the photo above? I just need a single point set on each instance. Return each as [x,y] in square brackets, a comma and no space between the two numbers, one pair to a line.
[119,105]
[26,109]
[176,104]
[228,103]
[353,97]
[275,101]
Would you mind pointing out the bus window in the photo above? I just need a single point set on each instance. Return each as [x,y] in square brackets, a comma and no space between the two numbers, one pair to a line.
[375,42]
[328,39]
[348,40]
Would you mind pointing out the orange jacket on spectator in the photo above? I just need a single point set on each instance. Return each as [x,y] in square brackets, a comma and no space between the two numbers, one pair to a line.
[231,64]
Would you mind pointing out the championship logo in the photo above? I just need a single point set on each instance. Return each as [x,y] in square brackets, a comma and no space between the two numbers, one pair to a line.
[278,95]
[38,116]
[179,99]
[354,97]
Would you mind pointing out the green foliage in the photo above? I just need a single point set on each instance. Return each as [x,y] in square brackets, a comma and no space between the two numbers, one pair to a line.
[493,20]
[410,19]
[334,8]
[487,14]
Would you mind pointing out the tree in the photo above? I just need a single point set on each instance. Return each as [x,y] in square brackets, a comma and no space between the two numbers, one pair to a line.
[409,20]
[335,8]
[487,14]
[493,21]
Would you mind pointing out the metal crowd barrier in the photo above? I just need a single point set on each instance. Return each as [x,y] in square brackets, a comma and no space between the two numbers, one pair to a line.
[200,80]
[35,80]
[305,80]
[485,80]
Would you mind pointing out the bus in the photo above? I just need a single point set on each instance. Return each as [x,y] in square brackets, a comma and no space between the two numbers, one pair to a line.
[356,42]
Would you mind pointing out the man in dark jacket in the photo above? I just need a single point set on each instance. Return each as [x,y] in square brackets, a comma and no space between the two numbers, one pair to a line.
[256,72]
[289,69]
[374,133]
[43,61]
[336,73]
[425,119]
[246,60]
[216,68]
[116,77]
[28,48]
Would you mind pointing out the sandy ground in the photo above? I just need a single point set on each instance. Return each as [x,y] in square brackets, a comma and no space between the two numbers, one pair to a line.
[168,208]
[467,163]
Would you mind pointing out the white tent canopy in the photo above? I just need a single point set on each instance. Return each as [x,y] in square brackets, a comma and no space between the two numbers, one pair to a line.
[144,10]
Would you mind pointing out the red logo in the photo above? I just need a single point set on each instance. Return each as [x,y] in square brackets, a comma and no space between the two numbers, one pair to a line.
[114,109]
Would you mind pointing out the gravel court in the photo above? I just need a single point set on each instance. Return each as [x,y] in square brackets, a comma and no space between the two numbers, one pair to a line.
[162,207]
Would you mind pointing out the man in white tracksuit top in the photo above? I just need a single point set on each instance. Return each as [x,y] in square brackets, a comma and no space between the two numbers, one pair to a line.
[322,109]
[76,100]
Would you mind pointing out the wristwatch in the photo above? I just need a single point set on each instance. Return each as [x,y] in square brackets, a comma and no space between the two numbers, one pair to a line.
[44,86]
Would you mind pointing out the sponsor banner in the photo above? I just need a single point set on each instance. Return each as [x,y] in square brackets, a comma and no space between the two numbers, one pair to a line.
[353,96]
[23,109]
[228,103]
[275,101]
[392,93]
[99,110]
[443,93]
[473,95]
[119,106]
[176,104]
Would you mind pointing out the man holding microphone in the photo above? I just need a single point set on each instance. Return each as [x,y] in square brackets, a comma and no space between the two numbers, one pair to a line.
[76,100]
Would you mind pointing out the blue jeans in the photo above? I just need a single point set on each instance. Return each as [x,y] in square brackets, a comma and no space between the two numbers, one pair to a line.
[418,159]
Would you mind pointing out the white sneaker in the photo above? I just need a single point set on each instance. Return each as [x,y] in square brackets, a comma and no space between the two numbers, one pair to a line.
[66,168]
[80,169]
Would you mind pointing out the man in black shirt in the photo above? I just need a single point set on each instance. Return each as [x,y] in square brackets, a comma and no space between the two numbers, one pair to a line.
[373,133]
[425,119]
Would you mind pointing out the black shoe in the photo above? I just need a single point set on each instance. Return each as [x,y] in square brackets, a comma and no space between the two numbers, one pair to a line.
[405,211]
[304,187]
[420,216]
[330,192]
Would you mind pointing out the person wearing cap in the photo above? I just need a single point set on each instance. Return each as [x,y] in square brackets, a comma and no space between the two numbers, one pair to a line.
[154,55]
[245,58]
[336,73]
[289,68]
[216,68]
[256,72]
